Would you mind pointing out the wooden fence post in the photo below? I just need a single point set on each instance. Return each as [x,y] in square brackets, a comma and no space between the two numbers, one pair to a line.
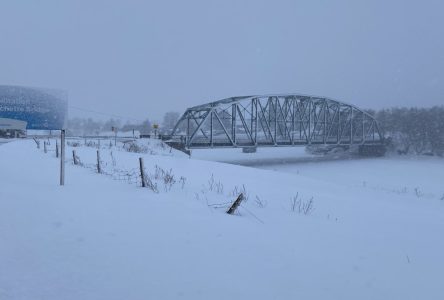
[44,147]
[57,149]
[142,173]
[236,204]
[99,169]
[74,157]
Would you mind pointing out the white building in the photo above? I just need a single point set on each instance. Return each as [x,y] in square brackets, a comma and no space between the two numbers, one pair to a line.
[12,127]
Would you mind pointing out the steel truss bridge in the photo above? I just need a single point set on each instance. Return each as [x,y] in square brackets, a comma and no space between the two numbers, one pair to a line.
[275,120]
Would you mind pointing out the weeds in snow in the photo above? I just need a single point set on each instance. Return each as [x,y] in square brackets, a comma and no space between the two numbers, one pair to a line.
[218,187]
[152,149]
[76,159]
[168,180]
[113,160]
[182,181]
[91,144]
[164,177]
[135,148]
[236,191]
[418,192]
[149,183]
[73,144]
[161,178]
[302,207]
[211,183]
[259,202]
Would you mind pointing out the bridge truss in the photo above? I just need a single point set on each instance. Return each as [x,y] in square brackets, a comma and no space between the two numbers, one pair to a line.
[275,120]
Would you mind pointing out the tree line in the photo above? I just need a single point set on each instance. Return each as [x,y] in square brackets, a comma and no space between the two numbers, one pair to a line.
[88,126]
[413,130]
[407,130]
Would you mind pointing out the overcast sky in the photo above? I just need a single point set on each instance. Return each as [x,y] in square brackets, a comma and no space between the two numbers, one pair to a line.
[143,58]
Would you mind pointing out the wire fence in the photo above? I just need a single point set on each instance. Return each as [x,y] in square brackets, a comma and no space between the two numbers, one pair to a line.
[158,180]
[130,176]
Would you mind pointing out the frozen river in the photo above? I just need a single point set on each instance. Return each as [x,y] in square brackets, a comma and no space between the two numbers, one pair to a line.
[417,175]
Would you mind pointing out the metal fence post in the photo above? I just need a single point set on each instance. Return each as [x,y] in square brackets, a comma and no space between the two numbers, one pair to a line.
[62,157]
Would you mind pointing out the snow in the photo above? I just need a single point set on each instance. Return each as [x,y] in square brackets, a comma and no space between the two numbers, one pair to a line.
[102,238]
[135,133]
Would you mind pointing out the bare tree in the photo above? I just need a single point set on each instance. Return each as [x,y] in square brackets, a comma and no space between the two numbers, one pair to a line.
[169,121]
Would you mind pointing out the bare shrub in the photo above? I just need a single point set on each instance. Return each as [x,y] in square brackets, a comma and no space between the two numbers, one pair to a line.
[302,207]
[219,188]
[260,202]
[216,186]
[245,193]
[113,160]
[294,202]
[149,183]
[182,181]
[308,206]
[73,144]
[158,172]
[134,147]
[164,177]
[237,190]
[90,144]
[418,192]
[168,180]
[211,183]
[162,145]
[76,159]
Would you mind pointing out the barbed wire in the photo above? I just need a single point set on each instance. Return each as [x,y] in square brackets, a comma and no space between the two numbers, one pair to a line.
[131,176]
[160,178]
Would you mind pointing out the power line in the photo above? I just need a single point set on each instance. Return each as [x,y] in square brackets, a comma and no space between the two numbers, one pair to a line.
[105,114]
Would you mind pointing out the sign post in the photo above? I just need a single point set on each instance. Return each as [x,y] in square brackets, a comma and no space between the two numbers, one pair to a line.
[24,108]
[155,127]
[62,157]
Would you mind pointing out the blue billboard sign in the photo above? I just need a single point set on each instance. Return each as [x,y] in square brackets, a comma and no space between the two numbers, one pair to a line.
[41,108]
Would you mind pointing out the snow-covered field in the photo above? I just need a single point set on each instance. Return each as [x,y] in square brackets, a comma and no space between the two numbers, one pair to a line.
[375,231]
